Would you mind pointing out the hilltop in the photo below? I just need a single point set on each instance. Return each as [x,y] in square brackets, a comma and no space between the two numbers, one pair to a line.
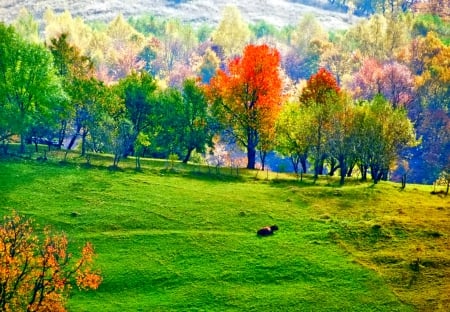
[279,13]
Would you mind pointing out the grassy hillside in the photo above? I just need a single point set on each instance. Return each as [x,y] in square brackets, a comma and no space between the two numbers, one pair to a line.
[184,239]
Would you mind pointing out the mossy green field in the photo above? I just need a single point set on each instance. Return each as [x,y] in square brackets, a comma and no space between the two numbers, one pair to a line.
[184,239]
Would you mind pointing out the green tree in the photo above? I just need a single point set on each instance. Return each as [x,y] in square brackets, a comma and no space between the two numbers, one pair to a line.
[340,143]
[310,41]
[29,86]
[196,131]
[294,135]
[72,67]
[167,130]
[379,37]
[138,92]
[124,44]
[79,34]
[381,133]
[321,96]
[141,143]
[95,101]
[209,65]
[115,135]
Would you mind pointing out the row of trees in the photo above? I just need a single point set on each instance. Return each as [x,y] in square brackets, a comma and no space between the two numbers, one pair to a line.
[368,7]
[49,90]
[141,81]
[134,115]
[330,127]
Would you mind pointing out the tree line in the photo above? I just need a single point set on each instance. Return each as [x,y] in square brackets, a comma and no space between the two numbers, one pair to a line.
[360,99]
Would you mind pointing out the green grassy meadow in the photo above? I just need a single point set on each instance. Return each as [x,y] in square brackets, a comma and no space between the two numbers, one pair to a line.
[183,239]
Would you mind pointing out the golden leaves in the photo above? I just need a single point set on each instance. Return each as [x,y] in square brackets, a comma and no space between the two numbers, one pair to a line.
[36,276]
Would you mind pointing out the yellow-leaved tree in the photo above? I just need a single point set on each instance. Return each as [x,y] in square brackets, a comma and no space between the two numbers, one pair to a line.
[36,275]
[233,33]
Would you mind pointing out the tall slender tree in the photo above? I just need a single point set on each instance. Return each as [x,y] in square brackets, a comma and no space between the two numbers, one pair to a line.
[196,123]
[321,95]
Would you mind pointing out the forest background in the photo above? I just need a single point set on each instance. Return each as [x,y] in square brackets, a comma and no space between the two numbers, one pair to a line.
[396,49]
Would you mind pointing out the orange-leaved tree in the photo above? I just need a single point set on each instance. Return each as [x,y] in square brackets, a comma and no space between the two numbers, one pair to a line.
[37,275]
[247,96]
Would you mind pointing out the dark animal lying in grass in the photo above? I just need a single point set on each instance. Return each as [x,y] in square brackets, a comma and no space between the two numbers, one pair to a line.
[267,230]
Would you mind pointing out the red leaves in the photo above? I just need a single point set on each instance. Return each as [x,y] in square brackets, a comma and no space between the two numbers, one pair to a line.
[247,97]
[319,87]
[252,80]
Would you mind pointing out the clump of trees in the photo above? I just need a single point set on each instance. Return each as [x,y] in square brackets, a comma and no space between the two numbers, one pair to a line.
[350,101]
[36,274]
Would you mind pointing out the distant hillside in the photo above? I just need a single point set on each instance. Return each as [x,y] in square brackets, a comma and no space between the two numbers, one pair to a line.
[279,13]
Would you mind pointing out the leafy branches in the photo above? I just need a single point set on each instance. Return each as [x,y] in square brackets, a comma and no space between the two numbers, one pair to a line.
[37,275]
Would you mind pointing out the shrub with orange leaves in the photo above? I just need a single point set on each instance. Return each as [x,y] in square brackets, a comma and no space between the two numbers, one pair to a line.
[35,275]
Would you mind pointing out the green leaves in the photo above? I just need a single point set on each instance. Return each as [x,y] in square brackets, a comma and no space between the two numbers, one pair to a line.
[29,86]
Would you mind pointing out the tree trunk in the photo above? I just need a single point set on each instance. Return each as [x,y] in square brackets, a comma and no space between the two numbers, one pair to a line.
[74,137]
[334,164]
[62,133]
[295,161]
[251,157]
[252,142]
[316,169]
[343,166]
[363,169]
[83,143]
[188,155]
[350,170]
[22,143]
[384,174]
[116,160]
[318,166]
[376,173]
[138,162]
[303,162]
[262,155]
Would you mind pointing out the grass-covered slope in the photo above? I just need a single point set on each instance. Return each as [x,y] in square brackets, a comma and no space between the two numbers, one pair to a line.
[185,241]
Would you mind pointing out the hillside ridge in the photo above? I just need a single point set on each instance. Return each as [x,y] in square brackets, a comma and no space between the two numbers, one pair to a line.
[279,13]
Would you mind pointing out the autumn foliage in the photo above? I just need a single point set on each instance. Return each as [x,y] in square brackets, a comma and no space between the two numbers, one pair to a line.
[319,87]
[37,275]
[247,96]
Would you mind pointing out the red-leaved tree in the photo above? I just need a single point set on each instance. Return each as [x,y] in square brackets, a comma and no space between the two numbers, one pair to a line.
[247,96]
